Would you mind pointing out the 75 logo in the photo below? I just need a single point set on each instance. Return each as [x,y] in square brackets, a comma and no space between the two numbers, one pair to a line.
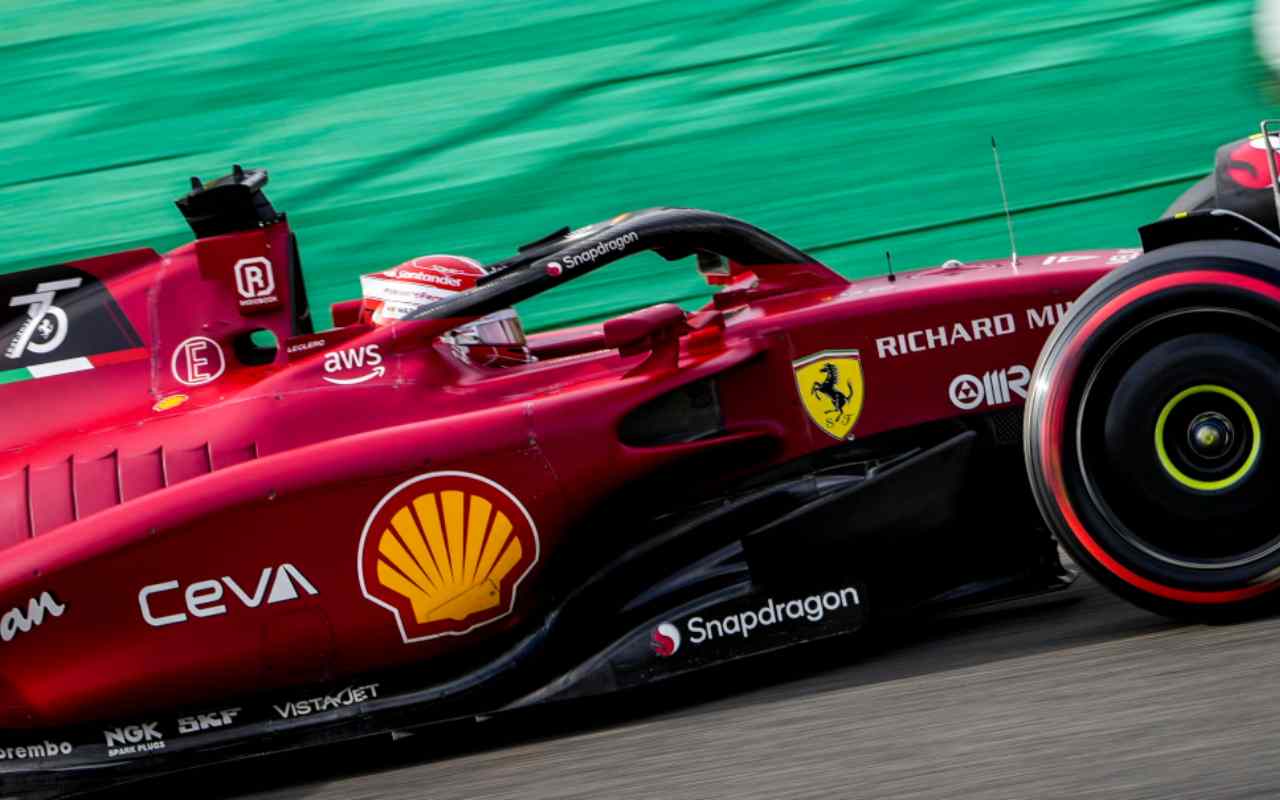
[46,325]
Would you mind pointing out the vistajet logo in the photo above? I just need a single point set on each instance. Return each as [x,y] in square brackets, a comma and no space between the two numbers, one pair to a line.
[329,702]
[589,255]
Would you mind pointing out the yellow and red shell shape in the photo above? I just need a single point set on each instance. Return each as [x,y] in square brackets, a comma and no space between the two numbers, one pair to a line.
[445,552]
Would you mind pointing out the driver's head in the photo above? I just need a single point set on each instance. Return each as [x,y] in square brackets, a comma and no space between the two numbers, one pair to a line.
[391,294]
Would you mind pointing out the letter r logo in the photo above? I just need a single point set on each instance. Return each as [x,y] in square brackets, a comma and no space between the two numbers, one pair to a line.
[254,278]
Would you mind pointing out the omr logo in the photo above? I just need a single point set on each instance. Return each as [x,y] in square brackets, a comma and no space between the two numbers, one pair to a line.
[665,640]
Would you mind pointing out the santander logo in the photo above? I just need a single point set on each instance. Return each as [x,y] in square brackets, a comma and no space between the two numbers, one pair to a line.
[665,640]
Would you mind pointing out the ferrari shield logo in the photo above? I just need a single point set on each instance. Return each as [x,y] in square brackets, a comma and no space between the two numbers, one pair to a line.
[831,390]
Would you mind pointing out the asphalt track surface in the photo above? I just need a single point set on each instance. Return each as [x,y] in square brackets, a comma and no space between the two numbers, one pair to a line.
[1083,697]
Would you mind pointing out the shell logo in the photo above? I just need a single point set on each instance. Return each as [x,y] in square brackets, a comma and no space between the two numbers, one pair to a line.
[445,552]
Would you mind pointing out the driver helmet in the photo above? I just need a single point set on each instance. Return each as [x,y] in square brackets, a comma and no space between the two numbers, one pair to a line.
[494,340]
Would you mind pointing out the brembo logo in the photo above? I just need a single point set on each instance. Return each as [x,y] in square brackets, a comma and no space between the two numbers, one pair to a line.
[592,253]
[16,620]
[45,749]
[208,598]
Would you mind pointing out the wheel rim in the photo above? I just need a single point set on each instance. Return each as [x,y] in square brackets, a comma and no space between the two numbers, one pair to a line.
[1213,444]
[1146,524]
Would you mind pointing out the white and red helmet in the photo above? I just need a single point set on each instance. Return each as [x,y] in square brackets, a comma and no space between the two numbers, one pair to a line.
[393,293]
[494,340]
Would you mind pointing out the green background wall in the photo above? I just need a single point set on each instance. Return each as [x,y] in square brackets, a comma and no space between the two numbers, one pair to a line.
[397,128]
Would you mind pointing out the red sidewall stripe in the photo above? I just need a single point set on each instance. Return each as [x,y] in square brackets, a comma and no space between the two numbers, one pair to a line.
[1051,433]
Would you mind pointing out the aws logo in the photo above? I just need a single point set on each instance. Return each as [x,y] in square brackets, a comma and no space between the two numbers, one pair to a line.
[445,552]
[350,358]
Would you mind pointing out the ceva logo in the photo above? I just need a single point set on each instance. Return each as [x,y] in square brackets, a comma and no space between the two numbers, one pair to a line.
[205,598]
[665,640]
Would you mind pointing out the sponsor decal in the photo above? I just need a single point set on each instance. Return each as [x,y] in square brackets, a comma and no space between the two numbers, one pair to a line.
[207,722]
[666,640]
[170,402]
[445,552]
[555,269]
[1247,164]
[17,621]
[209,598]
[812,608]
[1124,256]
[197,361]
[994,388]
[256,284]
[56,320]
[130,740]
[924,339]
[754,623]
[831,390]
[329,702]
[354,358]
[45,749]
[591,254]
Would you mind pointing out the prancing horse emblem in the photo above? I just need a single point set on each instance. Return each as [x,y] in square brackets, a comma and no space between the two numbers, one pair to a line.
[831,390]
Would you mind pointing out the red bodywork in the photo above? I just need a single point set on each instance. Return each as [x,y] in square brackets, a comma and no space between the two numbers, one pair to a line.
[236,513]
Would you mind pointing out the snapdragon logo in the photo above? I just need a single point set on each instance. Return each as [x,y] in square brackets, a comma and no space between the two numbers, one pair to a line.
[813,609]
[592,253]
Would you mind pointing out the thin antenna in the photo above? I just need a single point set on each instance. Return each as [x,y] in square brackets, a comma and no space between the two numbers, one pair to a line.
[1004,198]
[1271,160]
[889,258]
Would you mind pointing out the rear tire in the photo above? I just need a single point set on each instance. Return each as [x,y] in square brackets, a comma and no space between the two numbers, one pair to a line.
[1152,432]
[1202,194]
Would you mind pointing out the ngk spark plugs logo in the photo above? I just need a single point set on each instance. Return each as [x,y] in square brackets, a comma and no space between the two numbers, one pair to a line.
[994,388]
[445,553]
[256,285]
[197,361]
[128,740]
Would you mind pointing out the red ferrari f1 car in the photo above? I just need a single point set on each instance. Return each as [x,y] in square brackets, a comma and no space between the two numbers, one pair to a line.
[226,534]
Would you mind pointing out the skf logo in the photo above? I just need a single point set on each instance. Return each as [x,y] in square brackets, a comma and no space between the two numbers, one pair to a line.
[256,284]
[445,552]
[831,390]
[208,598]
[665,640]
[207,722]
[994,388]
[131,739]
[354,358]
[197,361]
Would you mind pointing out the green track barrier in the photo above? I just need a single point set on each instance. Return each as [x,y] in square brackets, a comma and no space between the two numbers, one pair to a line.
[399,128]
